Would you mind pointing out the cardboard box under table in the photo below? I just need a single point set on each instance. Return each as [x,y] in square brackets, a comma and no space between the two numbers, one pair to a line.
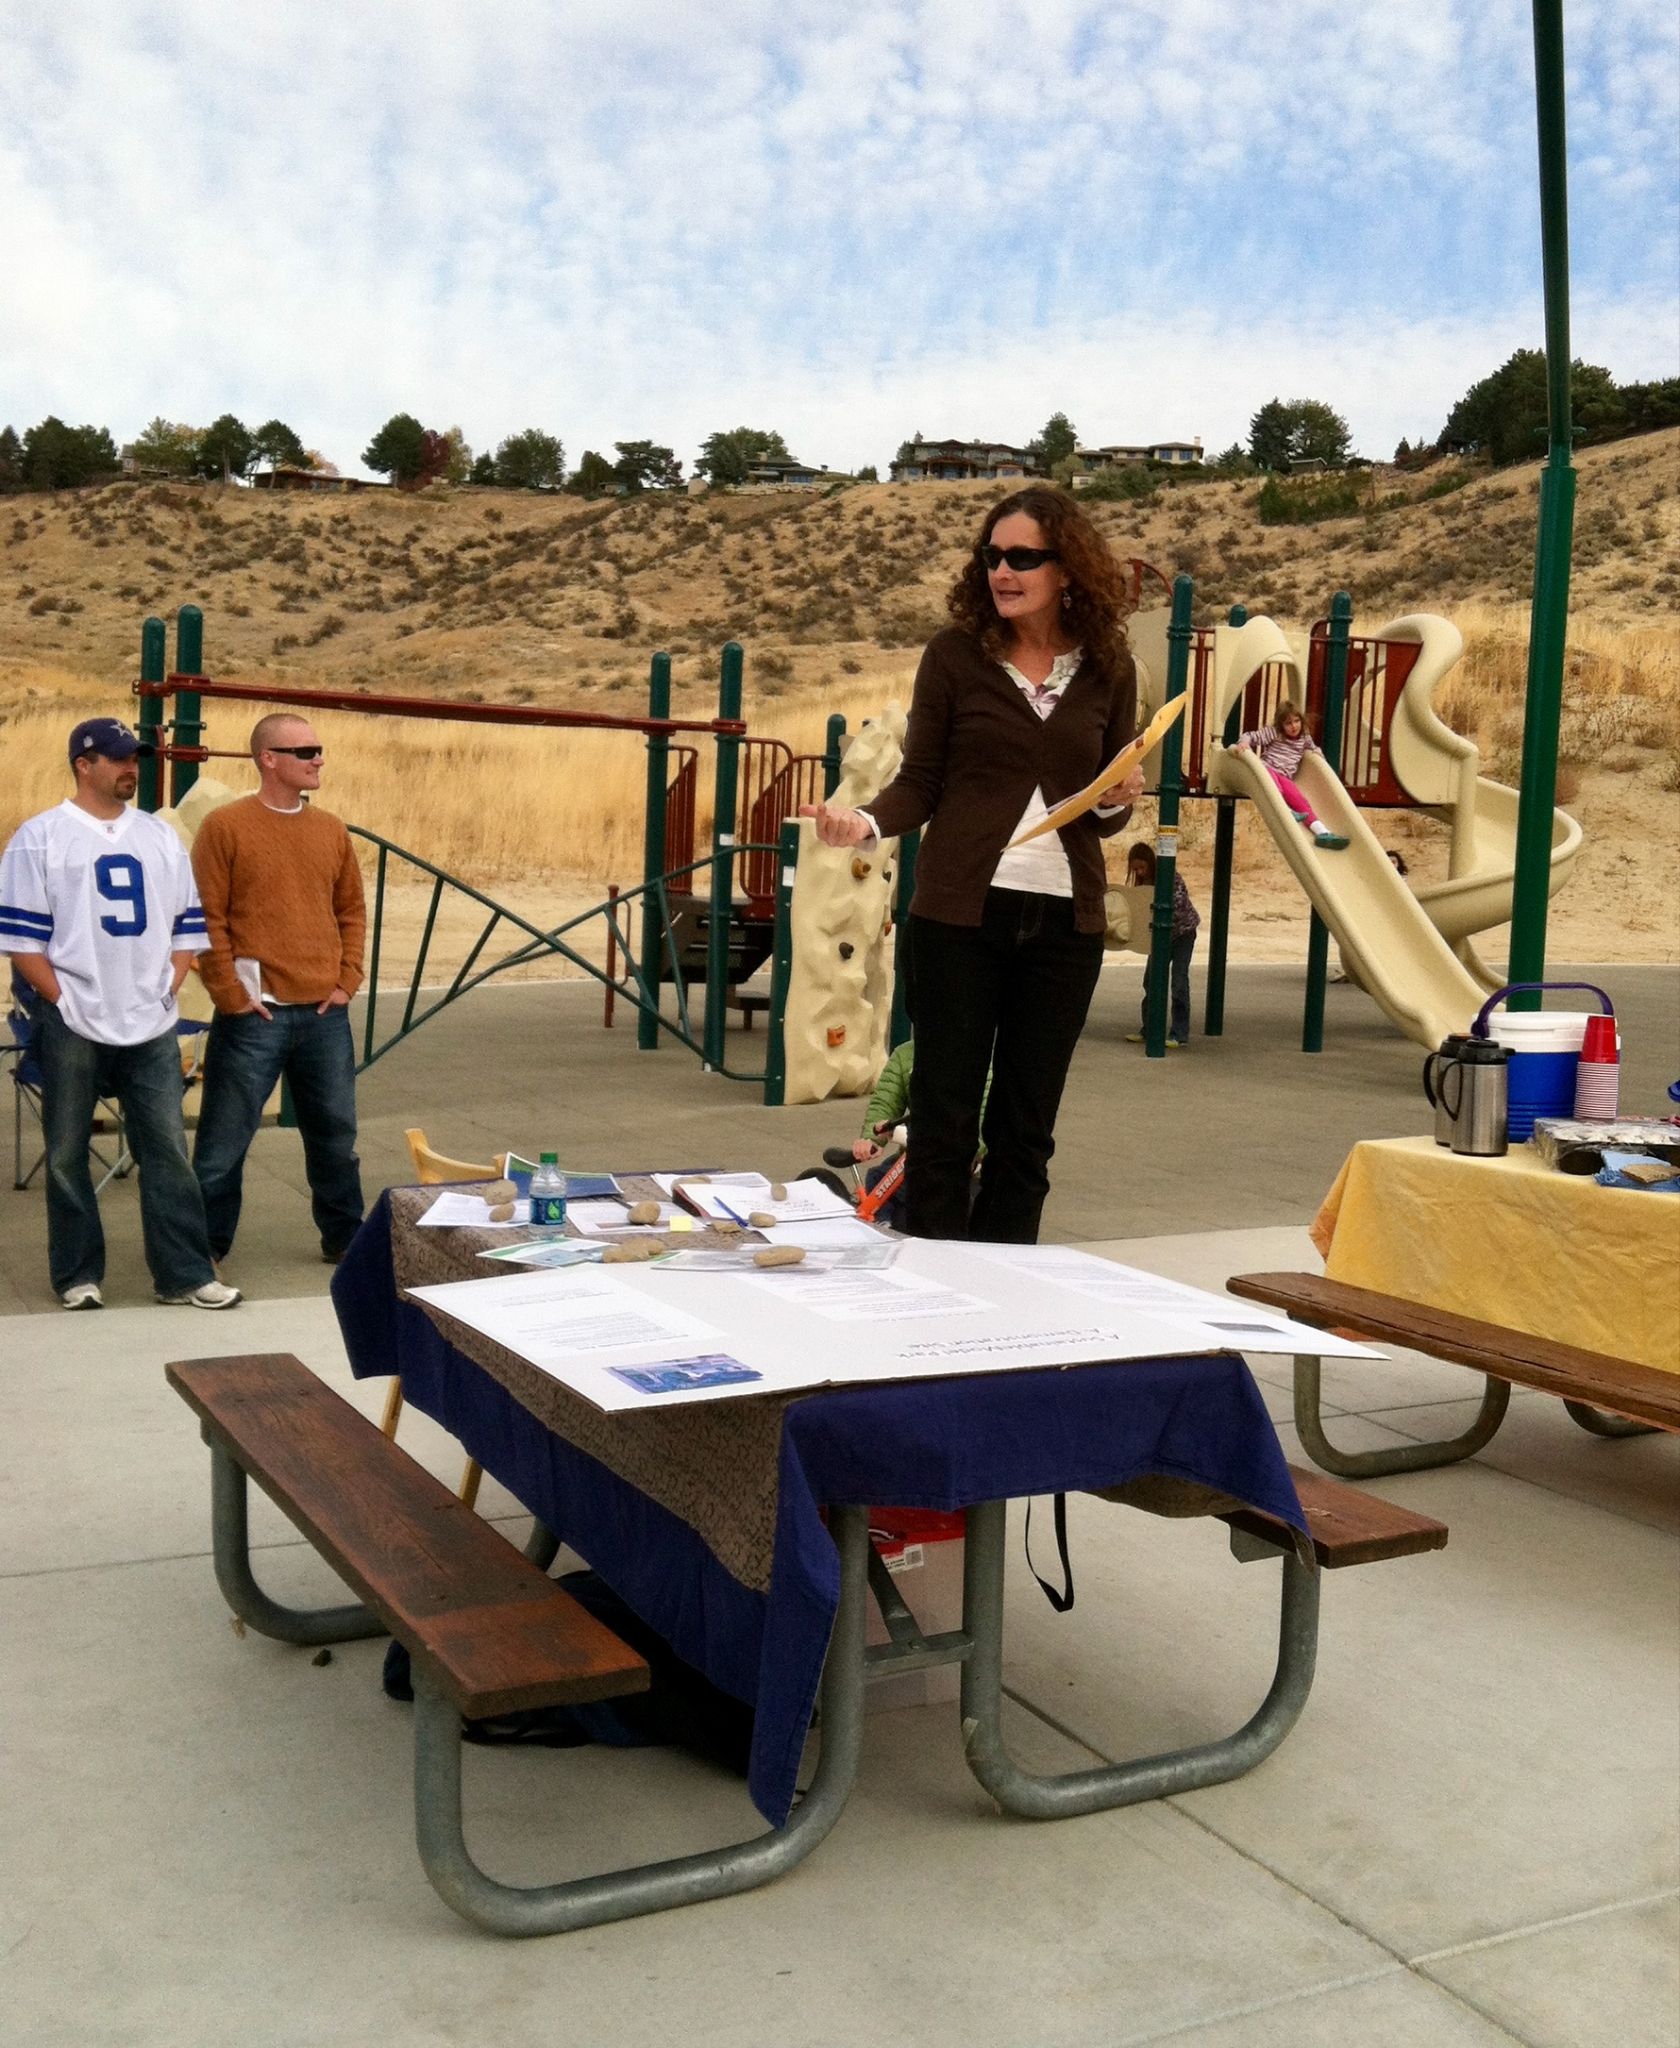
[707,1519]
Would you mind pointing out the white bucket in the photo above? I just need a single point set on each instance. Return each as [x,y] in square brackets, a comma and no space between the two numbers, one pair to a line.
[1540,1030]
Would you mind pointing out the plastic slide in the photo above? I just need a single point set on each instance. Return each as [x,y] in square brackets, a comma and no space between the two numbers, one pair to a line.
[1412,952]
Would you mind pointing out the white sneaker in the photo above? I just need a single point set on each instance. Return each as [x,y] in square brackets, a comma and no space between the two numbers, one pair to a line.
[211,1295]
[85,1294]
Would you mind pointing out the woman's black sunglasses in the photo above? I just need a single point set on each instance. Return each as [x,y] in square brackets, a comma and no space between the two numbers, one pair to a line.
[1018,558]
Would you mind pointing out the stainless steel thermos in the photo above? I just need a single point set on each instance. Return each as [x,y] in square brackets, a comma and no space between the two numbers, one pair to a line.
[1435,1068]
[1478,1089]
[1467,1083]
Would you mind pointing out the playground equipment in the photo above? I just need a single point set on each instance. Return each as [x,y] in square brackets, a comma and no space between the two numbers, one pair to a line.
[1413,952]
[686,922]
[837,1004]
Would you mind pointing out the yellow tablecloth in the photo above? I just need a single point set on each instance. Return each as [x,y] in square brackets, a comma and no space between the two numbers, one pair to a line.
[1509,1241]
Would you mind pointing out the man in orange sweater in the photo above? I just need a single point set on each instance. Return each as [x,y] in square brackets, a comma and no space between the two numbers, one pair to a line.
[283,905]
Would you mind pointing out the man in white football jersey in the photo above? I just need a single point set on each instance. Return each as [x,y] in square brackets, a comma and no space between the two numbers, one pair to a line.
[99,913]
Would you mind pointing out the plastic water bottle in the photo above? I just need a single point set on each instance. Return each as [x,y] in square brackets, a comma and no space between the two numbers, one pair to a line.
[548,1192]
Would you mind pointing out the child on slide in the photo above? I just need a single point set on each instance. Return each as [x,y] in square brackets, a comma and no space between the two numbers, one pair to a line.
[1281,746]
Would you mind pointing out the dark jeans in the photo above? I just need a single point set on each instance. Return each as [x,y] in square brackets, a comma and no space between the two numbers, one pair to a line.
[146,1082]
[1011,993]
[245,1058]
[1178,987]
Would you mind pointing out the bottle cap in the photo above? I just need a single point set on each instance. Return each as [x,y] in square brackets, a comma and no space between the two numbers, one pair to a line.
[548,1159]
[1600,1041]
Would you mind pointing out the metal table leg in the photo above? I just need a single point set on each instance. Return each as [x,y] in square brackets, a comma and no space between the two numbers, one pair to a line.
[1123,1784]
[1309,1427]
[683,1880]
[231,1548]
[1598,1423]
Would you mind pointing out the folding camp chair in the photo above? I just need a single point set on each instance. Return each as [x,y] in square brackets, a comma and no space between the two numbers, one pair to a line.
[21,1049]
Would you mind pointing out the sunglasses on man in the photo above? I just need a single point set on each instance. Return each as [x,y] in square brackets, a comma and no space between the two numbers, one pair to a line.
[298,753]
[1017,558]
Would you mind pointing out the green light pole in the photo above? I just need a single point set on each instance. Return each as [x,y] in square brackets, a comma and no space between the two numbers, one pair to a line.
[1549,615]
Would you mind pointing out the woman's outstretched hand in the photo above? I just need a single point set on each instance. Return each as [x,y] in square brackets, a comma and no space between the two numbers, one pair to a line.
[837,824]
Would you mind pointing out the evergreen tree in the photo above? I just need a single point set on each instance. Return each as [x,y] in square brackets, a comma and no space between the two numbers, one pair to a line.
[276,444]
[227,448]
[58,458]
[483,470]
[1054,442]
[11,460]
[396,450]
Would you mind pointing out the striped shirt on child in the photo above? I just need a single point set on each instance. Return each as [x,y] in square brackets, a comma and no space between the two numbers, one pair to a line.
[1280,753]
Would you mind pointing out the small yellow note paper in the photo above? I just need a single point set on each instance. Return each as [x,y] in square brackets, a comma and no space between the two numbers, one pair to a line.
[1117,770]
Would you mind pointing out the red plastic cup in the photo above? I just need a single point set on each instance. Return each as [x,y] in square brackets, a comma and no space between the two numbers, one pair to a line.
[1599,1045]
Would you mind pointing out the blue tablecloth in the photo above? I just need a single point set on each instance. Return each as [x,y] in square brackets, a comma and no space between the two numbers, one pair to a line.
[924,1443]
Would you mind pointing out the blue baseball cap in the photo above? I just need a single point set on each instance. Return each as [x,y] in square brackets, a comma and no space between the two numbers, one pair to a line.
[107,736]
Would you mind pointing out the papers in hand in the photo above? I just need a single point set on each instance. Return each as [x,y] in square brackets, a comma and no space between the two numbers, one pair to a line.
[1129,757]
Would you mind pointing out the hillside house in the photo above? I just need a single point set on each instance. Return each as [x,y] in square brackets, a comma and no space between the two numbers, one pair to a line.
[789,472]
[288,479]
[960,461]
[1181,454]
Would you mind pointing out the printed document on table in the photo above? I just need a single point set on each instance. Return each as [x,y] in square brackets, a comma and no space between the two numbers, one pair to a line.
[1214,1318]
[453,1211]
[581,1324]
[853,1295]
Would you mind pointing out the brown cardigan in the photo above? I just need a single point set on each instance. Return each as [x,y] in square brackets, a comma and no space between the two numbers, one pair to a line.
[974,753]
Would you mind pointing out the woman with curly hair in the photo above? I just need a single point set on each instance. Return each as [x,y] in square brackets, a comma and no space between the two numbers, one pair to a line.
[1017,705]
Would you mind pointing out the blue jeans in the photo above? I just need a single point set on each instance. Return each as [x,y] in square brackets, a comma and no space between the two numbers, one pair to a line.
[1178,986]
[247,1055]
[146,1081]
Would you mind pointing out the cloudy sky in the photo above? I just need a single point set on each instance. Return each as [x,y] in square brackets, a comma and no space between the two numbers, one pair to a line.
[636,218]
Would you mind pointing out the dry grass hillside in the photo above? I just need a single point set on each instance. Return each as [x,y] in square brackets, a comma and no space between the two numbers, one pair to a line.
[510,597]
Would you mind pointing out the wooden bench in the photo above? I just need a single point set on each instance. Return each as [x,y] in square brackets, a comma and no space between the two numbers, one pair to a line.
[1608,1396]
[1346,1527]
[486,1631]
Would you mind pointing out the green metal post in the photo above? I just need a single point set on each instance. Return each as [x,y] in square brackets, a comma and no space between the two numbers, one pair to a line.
[781,966]
[1166,829]
[1224,855]
[831,752]
[1549,612]
[653,853]
[189,661]
[723,862]
[149,725]
[1335,700]
[904,887]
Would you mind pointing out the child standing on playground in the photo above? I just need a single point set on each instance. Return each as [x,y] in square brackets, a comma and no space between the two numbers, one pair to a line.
[1281,746]
[1186,922]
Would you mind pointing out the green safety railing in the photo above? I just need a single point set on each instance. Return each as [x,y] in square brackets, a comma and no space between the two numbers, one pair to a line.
[646,968]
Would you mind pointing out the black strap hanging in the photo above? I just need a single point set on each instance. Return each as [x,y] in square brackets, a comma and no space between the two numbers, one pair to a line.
[1063,1600]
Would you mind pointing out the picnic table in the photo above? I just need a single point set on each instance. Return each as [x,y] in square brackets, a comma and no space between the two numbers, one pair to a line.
[1532,1277]
[738,1531]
